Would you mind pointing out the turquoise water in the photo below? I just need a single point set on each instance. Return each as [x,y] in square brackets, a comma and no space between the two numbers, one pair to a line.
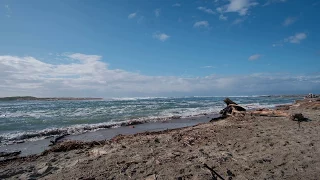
[26,120]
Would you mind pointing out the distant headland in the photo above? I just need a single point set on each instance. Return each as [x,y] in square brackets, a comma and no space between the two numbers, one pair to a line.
[31,98]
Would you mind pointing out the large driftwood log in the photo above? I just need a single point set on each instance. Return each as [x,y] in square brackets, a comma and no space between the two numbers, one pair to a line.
[269,113]
[232,108]
[229,101]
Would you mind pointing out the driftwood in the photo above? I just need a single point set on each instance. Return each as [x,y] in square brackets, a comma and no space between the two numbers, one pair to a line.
[298,117]
[9,154]
[214,174]
[232,109]
[269,113]
[72,145]
[229,101]
[283,107]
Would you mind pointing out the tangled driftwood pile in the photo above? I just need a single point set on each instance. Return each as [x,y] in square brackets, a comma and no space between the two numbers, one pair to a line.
[235,110]
[232,109]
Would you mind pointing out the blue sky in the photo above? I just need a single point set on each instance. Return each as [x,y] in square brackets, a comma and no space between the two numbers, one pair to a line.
[159,48]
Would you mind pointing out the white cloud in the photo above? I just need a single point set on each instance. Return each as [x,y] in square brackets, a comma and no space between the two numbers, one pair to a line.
[238,21]
[296,39]
[201,24]
[160,36]
[176,5]
[8,10]
[273,1]
[132,15]
[206,10]
[277,45]
[87,75]
[222,17]
[220,10]
[157,12]
[207,67]
[288,21]
[239,6]
[254,57]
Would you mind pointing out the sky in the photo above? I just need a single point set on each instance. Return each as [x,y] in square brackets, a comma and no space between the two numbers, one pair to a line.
[156,48]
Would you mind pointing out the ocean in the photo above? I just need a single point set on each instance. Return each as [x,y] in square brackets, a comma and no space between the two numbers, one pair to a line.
[34,120]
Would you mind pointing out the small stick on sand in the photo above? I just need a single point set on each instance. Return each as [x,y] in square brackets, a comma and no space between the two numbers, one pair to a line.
[213,172]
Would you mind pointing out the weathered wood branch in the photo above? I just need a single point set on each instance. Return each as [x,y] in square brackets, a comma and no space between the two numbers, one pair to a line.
[269,113]
[231,109]
[229,101]
[213,172]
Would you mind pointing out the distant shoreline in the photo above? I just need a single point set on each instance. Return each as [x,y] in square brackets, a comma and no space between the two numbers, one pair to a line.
[31,98]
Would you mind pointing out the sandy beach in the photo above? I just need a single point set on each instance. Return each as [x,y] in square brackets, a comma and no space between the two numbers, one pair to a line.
[249,147]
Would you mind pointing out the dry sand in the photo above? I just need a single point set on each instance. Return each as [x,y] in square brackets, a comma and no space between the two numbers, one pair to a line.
[252,147]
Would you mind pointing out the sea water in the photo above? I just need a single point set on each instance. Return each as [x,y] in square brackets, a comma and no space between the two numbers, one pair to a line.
[33,120]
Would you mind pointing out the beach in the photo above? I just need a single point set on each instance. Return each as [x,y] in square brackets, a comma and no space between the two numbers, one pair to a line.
[29,125]
[249,147]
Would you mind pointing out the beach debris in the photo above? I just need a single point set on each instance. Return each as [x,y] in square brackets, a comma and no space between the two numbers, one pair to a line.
[214,174]
[151,177]
[283,107]
[72,145]
[269,113]
[5,156]
[98,152]
[10,154]
[229,101]
[43,171]
[230,174]
[313,103]
[297,117]
[232,109]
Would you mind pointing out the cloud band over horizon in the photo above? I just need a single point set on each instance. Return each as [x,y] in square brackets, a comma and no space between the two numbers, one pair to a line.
[87,75]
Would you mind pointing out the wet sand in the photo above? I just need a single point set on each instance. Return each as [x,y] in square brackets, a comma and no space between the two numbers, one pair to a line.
[250,147]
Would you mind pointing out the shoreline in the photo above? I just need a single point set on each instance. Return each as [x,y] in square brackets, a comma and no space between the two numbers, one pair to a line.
[98,132]
[76,129]
[107,132]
